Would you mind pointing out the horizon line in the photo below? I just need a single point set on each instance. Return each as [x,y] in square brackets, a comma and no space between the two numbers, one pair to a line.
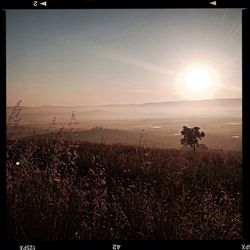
[126,104]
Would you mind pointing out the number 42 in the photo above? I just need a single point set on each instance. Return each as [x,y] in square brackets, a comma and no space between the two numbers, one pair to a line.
[116,247]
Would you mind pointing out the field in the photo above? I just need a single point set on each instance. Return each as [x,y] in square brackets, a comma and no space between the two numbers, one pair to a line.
[63,189]
[161,123]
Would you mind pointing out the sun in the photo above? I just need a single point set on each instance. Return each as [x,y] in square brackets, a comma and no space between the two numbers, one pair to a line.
[197,82]
[198,79]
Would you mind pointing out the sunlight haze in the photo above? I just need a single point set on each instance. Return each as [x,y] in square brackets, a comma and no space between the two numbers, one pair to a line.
[99,57]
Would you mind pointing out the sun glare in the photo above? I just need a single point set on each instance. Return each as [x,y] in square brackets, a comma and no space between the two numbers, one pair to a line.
[197,81]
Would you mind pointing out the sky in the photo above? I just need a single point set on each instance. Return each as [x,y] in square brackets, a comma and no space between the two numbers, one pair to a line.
[99,57]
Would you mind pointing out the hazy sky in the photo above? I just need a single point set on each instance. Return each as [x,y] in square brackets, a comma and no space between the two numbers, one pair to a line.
[85,57]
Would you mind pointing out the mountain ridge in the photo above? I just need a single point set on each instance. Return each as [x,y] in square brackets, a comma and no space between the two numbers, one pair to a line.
[136,104]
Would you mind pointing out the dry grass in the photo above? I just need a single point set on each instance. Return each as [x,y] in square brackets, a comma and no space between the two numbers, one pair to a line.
[65,190]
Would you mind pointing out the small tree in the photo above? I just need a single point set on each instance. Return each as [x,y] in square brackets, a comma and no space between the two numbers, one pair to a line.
[191,136]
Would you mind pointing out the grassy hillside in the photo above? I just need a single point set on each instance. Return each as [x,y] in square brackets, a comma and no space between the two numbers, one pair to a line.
[63,189]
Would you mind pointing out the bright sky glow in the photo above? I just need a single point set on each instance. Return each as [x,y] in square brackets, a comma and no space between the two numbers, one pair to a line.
[198,80]
[95,57]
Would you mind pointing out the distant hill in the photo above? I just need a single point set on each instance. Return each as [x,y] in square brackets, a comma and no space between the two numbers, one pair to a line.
[224,101]
[178,108]
[230,101]
[97,112]
[214,116]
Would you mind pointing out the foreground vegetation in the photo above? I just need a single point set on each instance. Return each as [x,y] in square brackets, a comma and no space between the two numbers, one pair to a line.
[61,190]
